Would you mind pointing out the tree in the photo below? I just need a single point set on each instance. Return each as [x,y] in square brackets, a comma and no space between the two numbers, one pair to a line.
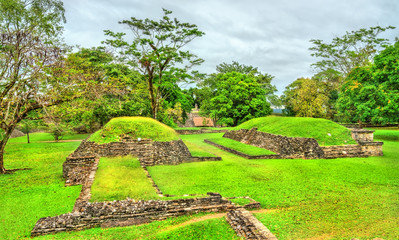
[157,50]
[26,127]
[237,67]
[33,73]
[371,93]
[305,98]
[27,47]
[354,49]
[120,91]
[238,98]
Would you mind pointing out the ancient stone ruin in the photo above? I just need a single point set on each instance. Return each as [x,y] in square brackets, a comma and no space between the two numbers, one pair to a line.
[80,168]
[307,148]
[149,153]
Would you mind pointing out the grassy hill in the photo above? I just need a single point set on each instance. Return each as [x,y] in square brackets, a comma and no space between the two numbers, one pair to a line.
[136,127]
[326,132]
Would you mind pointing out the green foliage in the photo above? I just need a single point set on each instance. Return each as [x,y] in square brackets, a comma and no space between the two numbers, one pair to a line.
[371,94]
[156,51]
[135,127]
[237,98]
[121,177]
[305,98]
[59,131]
[119,91]
[241,147]
[354,49]
[326,132]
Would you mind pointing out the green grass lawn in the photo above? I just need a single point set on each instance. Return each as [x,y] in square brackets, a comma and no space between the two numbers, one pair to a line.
[316,198]
[203,128]
[135,127]
[326,132]
[121,177]
[331,199]
[45,137]
[241,147]
[386,133]
[168,229]
[29,195]
[198,151]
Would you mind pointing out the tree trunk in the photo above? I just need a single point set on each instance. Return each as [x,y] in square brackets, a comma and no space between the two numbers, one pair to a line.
[3,144]
[2,169]
[152,98]
[27,135]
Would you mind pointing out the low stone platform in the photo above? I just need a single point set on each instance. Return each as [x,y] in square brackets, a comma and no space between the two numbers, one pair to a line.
[247,226]
[129,212]
[307,148]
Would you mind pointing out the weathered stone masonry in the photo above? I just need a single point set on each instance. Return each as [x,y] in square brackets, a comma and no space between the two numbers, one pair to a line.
[129,212]
[247,226]
[150,153]
[286,147]
[291,147]
[80,168]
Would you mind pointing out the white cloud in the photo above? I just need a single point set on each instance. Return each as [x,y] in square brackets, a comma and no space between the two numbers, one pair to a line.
[271,35]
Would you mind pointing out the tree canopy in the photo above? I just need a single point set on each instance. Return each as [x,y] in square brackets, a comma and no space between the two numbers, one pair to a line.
[157,51]
[354,49]
[237,98]
[371,93]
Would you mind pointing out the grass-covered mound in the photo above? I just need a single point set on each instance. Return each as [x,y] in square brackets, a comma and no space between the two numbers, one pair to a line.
[326,132]
[136,127]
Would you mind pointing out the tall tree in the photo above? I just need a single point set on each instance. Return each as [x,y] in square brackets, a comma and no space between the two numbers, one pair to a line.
[157,51]
[354,49]
[264,79]
[120,91]
[305,98]
[371,93]
[238,98]
[33,74]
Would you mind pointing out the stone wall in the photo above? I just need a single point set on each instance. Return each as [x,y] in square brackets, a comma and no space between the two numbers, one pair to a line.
[16,133]
[271,156]
[289,147]
[247,226]
[76,169]
[129,212]
[199,131]
[150,153]
[362,135]
[372,148]
[343,151]
[286,147]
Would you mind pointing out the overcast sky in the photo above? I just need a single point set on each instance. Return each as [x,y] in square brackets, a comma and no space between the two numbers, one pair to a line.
[272,35]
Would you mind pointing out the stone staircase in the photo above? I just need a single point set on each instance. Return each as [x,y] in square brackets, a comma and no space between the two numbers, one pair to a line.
[343,151]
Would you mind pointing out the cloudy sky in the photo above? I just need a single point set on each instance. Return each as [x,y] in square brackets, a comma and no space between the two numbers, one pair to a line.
[272,35]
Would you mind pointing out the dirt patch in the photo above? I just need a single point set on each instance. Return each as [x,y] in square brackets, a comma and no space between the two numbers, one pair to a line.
[195,220]
[12,171]
[60,141]
[207,217]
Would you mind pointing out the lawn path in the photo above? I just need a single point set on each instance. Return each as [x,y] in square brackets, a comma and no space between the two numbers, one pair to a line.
[204,218]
